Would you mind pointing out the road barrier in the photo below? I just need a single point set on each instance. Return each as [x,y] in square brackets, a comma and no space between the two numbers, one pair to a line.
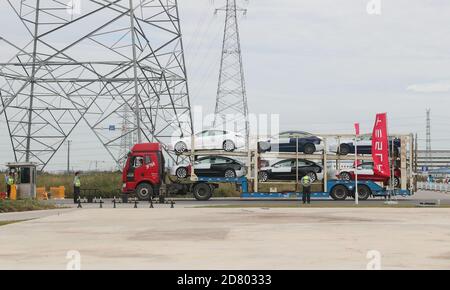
[115,201]
[58,192]
[41,193]
[433,186]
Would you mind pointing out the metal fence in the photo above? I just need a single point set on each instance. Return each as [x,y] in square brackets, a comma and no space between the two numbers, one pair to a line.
[433,186]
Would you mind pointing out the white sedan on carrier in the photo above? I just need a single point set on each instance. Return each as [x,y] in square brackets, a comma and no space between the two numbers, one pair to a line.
[210,139]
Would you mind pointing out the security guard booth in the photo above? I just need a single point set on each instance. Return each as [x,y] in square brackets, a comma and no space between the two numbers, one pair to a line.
[25,178]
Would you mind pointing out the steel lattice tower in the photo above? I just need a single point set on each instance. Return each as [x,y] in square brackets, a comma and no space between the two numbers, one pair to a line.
[428,139]
[116,57]
[128,139]
[231,110]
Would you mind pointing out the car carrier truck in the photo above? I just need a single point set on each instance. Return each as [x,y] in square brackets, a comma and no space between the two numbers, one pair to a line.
[144,176]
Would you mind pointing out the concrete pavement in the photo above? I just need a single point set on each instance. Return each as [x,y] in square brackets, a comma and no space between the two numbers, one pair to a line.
[28,215]
[212,238]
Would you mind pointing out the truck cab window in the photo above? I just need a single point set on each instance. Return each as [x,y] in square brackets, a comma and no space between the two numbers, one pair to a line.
[148,160]
[138,162]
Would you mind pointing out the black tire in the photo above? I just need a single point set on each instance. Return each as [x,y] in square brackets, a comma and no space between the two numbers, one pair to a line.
[364,192]
[309,149]
[144,191]
[228,146]
[344,149]
[180,147]
[181,172]
[313,176]
[345,176]
[339,192]
[202,192]
[263,176]
[229,173]
[397,182]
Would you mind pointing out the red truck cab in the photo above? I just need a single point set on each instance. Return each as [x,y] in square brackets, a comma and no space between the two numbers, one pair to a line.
[143,173]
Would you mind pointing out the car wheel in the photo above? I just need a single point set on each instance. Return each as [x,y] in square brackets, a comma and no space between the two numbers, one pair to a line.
[144,191]
[202,192]
[229,146]
[312,176]
[364,192]
[181,172]
[345,176]
[230,173]
[396,182]
[263,176]
[180,147]
[344,149]
[309,149]
[339,192]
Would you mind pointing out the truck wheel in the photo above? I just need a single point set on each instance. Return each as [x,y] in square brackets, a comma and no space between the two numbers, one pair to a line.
[309,149]
[344,149]
[202,192]
[364,192]
[144,191]
[339,192]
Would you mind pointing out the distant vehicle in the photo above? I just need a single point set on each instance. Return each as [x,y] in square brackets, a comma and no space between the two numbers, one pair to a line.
[364,146]
[295,141]
[210,139]
[287,170]
[365,172]
[211,166]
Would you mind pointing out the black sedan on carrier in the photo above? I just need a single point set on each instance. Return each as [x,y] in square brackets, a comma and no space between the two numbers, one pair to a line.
[211,166]
[287,170]
[293,141]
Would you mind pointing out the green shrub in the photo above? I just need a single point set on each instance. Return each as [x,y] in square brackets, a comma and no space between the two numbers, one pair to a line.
[23,205]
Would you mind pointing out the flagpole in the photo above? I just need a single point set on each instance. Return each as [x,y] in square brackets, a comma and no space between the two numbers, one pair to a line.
[356,163]
[356,170]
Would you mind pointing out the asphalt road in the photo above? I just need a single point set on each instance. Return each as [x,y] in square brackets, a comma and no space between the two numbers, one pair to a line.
[420,197]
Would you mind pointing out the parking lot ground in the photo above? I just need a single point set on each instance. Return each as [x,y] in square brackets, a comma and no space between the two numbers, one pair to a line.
[231,238]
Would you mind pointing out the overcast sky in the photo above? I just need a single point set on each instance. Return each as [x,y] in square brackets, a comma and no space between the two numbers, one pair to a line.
[321,64]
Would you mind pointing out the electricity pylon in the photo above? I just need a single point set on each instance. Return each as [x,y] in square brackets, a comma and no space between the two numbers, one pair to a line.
[428,140]
[93,63]
[231,110]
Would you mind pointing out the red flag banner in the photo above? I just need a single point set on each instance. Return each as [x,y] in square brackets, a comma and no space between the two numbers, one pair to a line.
[357,129]
[380,147]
